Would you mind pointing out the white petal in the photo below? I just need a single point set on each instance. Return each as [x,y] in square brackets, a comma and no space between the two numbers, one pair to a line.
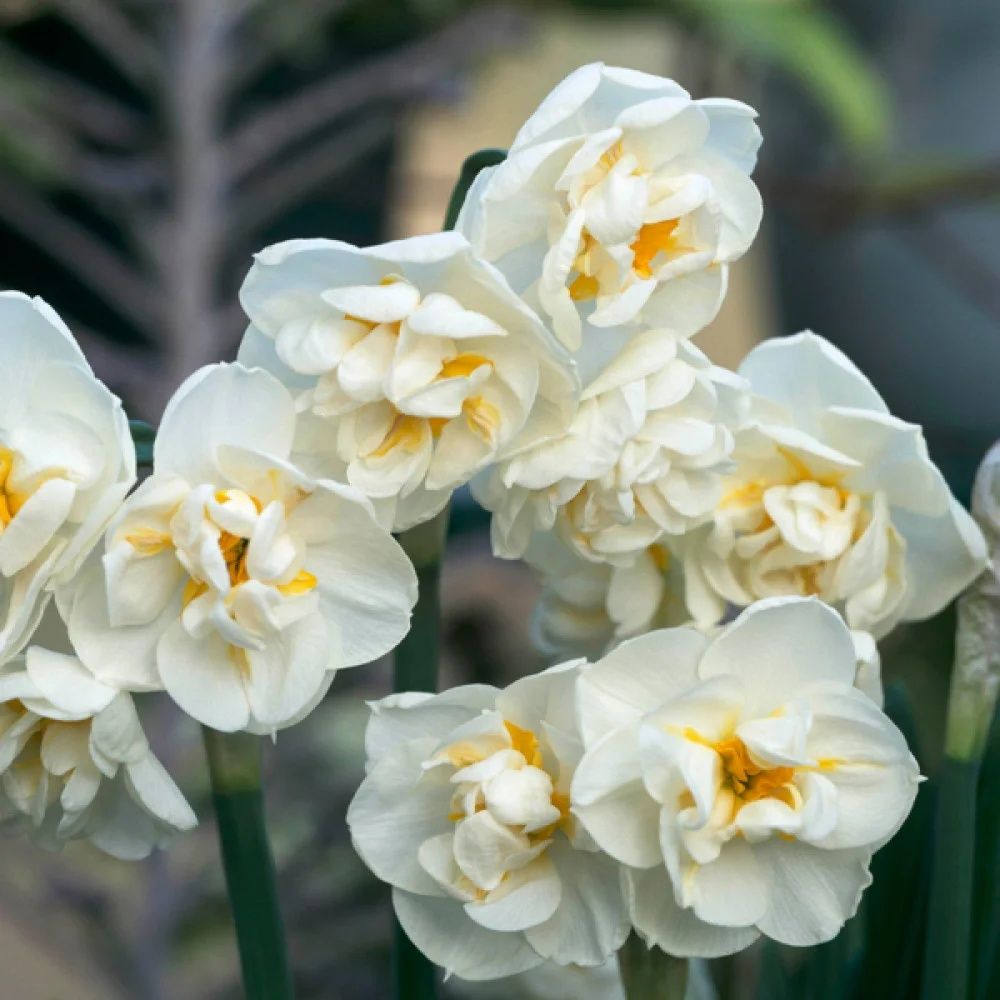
[867,759]
[154,789]
[527,897]
[636,676]
[386,303]
[733,890]
[123,657]
[397,808]
[590,923]
[34,525]
[808,375]
[812,892]
[67,683]
[412,715]
[780,645]
[611,801]
[661,922]
[222,404]
[367,586]
[203,677]
[943,556]
[442,930]
[116,733]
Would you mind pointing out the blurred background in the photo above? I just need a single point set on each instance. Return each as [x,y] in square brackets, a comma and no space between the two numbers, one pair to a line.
[148,147]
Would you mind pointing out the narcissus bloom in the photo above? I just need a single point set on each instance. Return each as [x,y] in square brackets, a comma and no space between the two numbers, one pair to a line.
[66,462]
[832,496]
[74,763]
[744,779]
[232,579]
[640,461]
[586,608]
[465,812]
[414,364]
[622,201]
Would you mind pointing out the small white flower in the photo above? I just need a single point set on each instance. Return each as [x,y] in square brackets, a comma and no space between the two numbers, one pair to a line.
[587,608]
[744,779]
[74,763]
[622,201]
[66,462]
[230,578]
[414,364]
[465,812]
[640,461]
[831,496]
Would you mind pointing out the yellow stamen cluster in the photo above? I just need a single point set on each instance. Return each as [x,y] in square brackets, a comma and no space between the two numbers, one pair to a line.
[11,501]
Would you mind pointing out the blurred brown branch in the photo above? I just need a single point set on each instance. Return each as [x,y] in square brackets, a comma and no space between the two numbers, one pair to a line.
[113,35]
[834,202]
[181,173]
[404,74]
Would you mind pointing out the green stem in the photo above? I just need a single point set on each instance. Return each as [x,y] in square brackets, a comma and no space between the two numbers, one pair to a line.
[415,661]
[416,657]
[473,164]
[143,437]
[234,767]
[649,973]
[415,664]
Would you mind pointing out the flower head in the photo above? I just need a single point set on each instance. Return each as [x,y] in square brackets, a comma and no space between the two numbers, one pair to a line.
[831,496]
[74,762]
[414,364]
[640,461]
[66,462]
[586,608]
[232,579]
[744,779]
[465,812]
[622,202]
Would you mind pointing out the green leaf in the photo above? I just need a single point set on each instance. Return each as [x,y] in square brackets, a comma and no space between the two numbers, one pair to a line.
[948,946]
[895,906]
[986,908]
[773,981]
[810,42]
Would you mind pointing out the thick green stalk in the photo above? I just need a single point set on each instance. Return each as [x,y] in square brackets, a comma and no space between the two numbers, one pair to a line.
[649,973]
[234,766]
[416,669]
[415,662]
[470,169]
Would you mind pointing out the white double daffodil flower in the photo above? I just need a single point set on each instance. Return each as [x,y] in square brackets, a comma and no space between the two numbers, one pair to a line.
[413,363]
[622,201]
[74,763]
[465,812]
[744,780]
[831,496]
[66,462]
[232,579]
[586,608]
[640,461]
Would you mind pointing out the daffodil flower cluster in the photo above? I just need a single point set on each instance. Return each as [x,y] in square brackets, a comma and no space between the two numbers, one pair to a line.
[741,782]
[741,776]
[702,783]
